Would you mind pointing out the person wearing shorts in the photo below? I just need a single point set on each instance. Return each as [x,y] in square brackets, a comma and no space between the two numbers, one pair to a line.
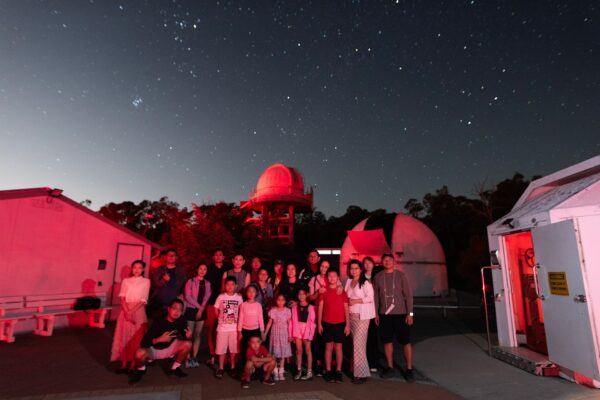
[394,305]
[258,359]
[228,305]
[333,324]
[168,336]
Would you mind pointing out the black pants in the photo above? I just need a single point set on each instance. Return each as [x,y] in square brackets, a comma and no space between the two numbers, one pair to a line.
[246,335]
[373,345]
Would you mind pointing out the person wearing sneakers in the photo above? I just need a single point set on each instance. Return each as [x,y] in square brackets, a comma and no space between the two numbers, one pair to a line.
[334,324]
[167,337]
[279,319]
[258,358]
[228,305]
[394,303]
[302,331]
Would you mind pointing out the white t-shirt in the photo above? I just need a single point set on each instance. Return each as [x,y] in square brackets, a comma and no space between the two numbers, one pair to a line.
[135,289]
[229,307]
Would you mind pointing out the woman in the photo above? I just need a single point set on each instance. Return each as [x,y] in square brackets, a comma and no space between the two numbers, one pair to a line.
[132,320]
[318,283]
[289,287]
[255,266]
[264,289]
[195,296]
[362,311]
[277,276]
[373,338]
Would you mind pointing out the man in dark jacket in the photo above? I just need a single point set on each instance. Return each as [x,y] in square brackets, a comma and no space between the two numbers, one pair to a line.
[167,282]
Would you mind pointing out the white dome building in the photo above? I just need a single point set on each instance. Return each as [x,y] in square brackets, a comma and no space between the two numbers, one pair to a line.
[416,249]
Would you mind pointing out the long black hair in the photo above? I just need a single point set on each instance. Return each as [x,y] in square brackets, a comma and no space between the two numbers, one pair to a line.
[362,278]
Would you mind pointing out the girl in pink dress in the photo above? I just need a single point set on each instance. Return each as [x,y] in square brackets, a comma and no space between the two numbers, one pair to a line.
[302,331]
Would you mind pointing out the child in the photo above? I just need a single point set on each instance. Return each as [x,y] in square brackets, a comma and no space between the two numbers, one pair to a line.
[302,331]
[279,319]
[257,356]
[334,324]
[250,323]
[227,305]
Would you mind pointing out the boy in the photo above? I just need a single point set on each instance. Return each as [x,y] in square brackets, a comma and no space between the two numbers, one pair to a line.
[227,305]
[168,336]
[257,356]
[334,324]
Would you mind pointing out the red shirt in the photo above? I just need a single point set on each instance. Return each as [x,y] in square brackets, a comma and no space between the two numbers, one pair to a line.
[333,306]
[262,352]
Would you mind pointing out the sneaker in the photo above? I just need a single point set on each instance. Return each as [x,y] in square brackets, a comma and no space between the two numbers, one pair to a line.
[358,381]
[338,377]
[189,363]
[137,376]
[245,385]
[269,382]
[298,375]
[307,376]
[387,373]
[319,371]
[329,377]
[374,370]
[219,374]
[282,374]
[176,372]
[410,375]
[211,361]
[122,371]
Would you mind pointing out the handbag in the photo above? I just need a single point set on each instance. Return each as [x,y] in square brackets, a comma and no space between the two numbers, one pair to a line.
[87,303]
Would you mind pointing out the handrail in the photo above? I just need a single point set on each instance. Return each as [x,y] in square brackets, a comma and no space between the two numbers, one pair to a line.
[487,318]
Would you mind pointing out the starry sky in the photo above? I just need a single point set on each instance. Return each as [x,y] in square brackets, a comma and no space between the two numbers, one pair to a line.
[374,102]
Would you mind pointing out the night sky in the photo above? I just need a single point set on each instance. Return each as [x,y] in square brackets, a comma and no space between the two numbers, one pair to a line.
[374,102]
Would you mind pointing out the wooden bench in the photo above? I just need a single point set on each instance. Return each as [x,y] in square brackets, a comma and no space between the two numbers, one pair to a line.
[48,307]
[9,317]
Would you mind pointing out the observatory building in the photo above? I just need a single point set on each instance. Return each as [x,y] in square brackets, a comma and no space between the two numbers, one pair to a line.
[279,195]
[417,251]
[546,275]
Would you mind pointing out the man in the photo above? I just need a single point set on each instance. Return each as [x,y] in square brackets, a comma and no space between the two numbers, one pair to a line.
[168,336]
[214,275]
[312,269]
[394,305]
[167,282]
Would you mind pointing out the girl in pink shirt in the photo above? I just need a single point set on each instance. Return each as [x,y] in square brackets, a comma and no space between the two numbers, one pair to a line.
[250,322]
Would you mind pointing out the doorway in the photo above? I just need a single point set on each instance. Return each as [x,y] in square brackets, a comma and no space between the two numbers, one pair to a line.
[527,306]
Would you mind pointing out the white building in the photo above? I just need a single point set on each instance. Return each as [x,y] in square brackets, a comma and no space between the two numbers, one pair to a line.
[547,286]
[52,245]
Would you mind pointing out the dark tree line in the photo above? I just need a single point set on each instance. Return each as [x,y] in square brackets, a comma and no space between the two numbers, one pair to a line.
[458,221]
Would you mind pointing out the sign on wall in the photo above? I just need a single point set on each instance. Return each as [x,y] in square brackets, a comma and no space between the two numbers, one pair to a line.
[558,283]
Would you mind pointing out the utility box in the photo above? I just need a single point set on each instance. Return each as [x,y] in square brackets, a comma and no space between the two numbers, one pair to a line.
[547,286]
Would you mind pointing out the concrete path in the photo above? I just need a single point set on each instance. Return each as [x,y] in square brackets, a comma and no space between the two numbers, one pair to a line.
[460,364]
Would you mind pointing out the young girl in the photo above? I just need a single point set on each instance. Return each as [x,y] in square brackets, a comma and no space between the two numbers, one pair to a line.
[277,275]
[302,331]
[132,320]
[195,296]
[250,323]
[279,319]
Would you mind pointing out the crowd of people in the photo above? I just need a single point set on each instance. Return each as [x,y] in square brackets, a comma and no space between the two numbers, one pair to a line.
[264,323]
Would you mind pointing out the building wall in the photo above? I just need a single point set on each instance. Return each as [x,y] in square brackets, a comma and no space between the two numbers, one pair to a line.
[51,247]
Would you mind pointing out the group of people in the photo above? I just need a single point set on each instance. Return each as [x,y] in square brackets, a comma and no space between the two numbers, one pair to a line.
[258,320]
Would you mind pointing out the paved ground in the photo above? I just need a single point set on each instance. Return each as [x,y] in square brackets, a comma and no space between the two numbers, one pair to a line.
[75,360]
[450,360]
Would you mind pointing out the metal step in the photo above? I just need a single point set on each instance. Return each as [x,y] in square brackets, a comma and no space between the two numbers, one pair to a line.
[527,360]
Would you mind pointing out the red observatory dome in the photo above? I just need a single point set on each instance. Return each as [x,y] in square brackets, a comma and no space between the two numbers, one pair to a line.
[281,184]
[279,195]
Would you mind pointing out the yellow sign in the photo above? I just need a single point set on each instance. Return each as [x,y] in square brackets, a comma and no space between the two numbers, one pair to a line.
[558,283]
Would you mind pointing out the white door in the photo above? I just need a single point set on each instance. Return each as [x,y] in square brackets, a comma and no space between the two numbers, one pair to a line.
[126,253]
[564,299]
